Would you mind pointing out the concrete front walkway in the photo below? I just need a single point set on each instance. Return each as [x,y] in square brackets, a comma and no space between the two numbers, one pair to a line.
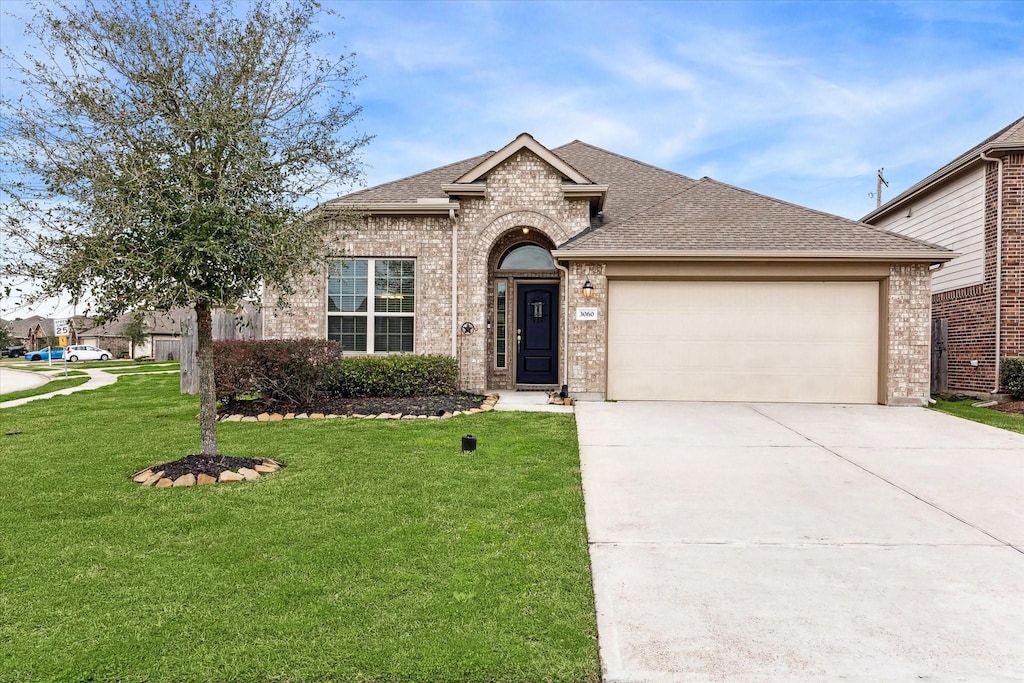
[803,542]
[12,380]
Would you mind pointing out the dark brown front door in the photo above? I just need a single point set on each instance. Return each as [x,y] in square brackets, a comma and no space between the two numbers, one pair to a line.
[537,334]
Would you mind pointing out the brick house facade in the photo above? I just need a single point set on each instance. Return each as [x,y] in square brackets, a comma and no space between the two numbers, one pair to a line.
[511,262]
[989,233]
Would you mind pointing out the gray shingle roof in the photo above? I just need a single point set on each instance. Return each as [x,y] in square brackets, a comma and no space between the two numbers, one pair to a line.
[632,185]
[424,185]
[1011,137]
[649,208]
[709,216]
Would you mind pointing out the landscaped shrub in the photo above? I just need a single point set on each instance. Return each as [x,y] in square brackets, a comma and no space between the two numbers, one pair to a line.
[398,375]
[303,370]
[289,370]
[1011,375]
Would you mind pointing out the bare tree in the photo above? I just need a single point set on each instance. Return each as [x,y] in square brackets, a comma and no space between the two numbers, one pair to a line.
[157,154]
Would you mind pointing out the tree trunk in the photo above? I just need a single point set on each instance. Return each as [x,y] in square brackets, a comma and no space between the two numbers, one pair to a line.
[207,389]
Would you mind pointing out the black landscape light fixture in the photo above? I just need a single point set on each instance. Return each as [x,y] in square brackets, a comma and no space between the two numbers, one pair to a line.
[564,393]
[468,443]
[588,289]
[439,412]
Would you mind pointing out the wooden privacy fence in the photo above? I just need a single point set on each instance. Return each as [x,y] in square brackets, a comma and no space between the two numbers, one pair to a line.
[244,324]
[940,361]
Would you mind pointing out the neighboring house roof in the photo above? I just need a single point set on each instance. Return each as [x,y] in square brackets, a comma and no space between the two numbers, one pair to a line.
[24,326]
[646,208]
[155,323]
[1009,139]
[710,217]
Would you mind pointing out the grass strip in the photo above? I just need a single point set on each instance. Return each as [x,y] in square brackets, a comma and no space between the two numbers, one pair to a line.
[381,553]
[55,384]
[1013,422]
[143,369]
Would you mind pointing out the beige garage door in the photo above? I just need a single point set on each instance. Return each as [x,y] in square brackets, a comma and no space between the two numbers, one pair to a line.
[811,342]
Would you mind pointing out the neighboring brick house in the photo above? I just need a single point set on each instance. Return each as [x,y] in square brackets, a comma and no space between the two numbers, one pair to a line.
[973,205]
[37,332]
[540,267]
[161,336]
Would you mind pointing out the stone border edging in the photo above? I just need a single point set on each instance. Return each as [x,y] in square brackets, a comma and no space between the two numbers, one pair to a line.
[487,404]
[148,477]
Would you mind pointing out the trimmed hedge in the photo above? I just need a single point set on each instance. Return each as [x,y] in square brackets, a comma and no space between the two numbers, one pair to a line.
[302,370]
[398,375]
[291,370]
[1011,375]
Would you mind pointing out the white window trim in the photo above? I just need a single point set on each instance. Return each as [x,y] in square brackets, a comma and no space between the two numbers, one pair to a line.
[371,302]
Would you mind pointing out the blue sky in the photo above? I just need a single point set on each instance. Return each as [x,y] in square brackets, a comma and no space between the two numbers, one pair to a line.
[803,101]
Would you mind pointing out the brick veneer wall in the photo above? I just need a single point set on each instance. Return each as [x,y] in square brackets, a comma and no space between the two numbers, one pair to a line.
[424,238]
[971,310]
[1013,256]
[588,339]
[909,334]
[522,192]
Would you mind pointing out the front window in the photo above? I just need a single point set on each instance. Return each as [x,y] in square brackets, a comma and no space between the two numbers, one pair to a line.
[381,323]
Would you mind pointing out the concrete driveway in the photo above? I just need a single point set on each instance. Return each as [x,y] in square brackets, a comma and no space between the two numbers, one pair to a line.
[790,541]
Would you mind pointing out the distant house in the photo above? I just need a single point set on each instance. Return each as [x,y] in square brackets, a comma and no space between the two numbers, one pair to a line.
[162,336]
[37,332]
[973,205]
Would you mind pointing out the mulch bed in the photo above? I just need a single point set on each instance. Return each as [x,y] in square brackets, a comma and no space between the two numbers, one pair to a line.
[409,405]
[200,464]
[1010,407]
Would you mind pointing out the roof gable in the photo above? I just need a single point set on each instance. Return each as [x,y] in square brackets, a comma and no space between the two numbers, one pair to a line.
[523,141]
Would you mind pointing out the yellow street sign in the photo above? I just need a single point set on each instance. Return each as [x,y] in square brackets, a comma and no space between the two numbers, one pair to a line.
[63,340]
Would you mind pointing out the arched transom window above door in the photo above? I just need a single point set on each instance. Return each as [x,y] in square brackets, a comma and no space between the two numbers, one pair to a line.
[527,257]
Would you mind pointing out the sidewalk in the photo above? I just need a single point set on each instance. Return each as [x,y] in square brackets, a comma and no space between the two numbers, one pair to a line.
[97,378]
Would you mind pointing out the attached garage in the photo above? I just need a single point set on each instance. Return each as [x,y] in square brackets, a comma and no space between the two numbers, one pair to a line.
[743,341]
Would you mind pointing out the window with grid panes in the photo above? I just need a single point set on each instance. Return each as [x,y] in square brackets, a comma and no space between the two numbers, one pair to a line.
[381,323]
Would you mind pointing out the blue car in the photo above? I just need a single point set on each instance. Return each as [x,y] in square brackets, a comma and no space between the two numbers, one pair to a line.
[48,353]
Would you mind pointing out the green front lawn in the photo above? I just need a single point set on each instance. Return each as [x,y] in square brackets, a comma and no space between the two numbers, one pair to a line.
[381,553]
[56,384]
[1011,421]
[139,367]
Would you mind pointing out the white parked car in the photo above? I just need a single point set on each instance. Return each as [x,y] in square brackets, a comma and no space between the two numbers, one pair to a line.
[83,352]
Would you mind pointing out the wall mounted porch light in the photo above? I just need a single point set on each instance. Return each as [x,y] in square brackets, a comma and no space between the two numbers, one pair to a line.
[588,289]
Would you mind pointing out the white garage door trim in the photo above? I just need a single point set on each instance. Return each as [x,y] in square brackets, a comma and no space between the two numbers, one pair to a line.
[776,341]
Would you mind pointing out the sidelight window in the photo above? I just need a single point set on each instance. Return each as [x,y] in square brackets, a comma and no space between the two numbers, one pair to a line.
[500,317]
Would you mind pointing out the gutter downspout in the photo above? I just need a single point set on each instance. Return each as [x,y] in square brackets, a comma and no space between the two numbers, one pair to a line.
[565,317]
[455,283]
[999,260]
